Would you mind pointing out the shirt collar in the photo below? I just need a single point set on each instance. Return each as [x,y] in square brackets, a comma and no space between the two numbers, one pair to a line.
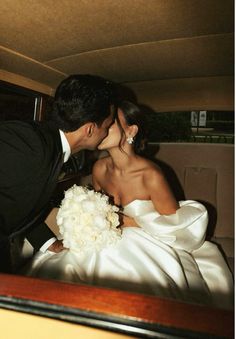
[65,146]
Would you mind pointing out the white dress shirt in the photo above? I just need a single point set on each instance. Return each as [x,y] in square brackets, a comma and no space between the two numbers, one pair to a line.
[67,152]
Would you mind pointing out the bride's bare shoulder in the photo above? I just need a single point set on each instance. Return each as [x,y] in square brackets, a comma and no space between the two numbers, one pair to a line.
[148,165]
[153,177]
[100,165]
[150,170]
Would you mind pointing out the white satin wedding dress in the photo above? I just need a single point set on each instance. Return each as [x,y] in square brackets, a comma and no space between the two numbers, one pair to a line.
[166,256]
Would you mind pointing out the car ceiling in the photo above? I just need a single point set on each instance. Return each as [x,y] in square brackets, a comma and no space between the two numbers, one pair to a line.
[126,41]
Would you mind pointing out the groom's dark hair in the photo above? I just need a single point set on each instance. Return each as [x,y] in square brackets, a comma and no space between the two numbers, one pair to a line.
[82,98]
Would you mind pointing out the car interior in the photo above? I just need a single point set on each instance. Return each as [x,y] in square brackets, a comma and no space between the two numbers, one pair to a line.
[168,56]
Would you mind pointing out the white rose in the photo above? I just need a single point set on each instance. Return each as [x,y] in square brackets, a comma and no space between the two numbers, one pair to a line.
[88,206]
[87,221]
[99,221]
[69,194]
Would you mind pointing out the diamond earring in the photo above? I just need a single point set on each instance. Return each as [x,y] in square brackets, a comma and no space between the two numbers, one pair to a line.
[130,140]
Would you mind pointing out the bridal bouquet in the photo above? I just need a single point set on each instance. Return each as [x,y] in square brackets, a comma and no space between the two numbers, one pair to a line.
[86,220]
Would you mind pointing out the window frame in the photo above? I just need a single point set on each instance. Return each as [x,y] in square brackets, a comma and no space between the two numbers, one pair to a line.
[113,310]
[39,98]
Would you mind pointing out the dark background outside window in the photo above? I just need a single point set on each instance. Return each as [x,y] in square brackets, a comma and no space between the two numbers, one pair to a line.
[191,126]
[17,103]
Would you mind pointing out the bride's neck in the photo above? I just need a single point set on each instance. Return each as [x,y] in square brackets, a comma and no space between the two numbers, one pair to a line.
[121,161]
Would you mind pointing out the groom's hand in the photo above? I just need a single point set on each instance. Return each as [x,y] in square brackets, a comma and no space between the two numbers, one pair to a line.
[56,247]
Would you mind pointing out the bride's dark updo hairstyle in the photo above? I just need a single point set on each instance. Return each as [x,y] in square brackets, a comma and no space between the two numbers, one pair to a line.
[133,116]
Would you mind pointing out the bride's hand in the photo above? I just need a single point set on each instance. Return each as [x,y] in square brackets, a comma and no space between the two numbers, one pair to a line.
[56,247]
[126,221]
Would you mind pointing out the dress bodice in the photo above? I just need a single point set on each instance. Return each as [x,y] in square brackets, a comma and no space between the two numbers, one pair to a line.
[139,207]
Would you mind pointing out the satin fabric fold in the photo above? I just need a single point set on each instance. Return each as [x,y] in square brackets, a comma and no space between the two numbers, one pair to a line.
[165,256]
[188,223]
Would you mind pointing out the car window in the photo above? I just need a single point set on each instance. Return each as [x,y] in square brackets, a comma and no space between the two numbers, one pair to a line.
[191,126]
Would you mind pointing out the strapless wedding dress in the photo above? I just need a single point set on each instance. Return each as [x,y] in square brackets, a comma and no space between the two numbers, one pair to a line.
[165,256]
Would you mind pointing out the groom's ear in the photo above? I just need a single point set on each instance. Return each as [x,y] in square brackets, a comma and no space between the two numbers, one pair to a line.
[89,129]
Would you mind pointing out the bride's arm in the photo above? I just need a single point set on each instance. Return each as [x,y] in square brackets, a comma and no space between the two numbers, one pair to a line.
[160,192]
[179,226]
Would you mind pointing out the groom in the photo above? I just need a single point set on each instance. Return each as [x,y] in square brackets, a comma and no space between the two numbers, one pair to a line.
[33,153]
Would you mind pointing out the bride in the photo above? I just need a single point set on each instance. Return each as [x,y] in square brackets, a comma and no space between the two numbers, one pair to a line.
[162,250]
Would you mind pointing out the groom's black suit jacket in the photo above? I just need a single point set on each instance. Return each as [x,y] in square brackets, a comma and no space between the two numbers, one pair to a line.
[30,163]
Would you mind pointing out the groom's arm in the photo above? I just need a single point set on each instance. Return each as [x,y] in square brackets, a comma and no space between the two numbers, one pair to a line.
[40,236]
